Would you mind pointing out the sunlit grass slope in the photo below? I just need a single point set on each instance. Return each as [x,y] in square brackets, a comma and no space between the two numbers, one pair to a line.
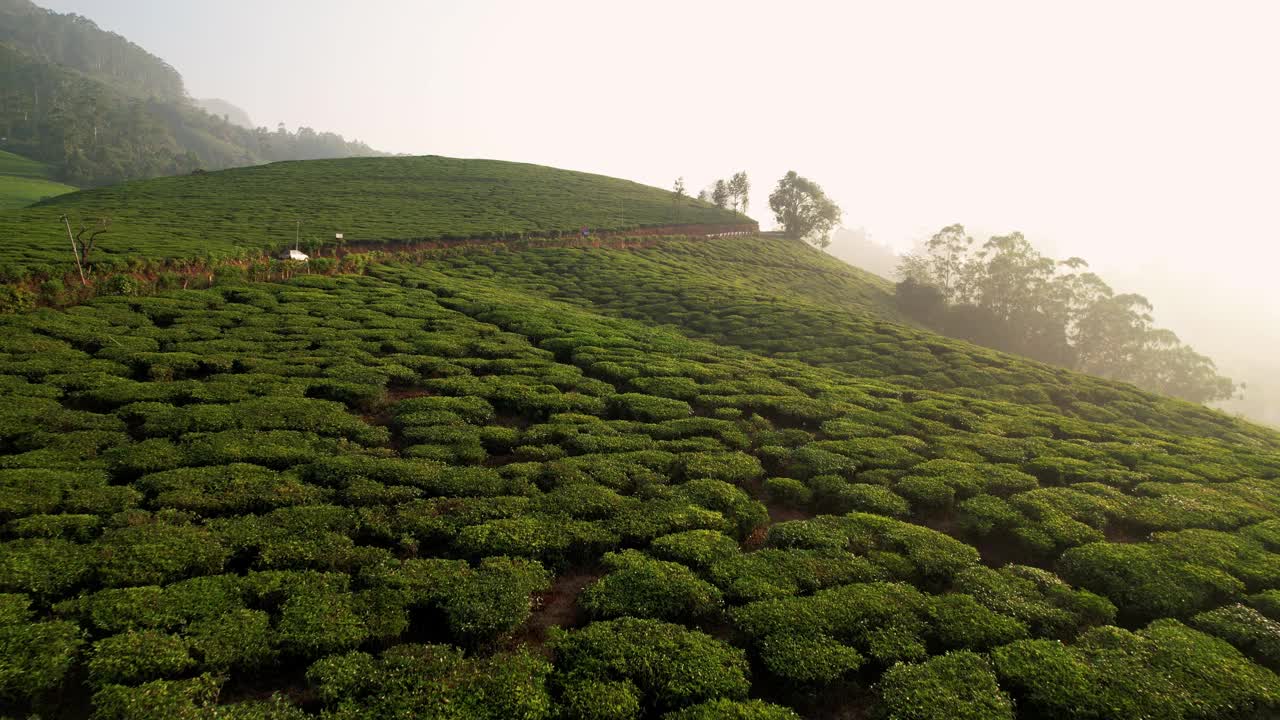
[24,181]
[366,199]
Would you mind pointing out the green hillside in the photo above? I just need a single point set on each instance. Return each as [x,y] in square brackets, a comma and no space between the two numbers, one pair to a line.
[791,301]
[24,181]
[367,199]
[18,166]
[99,109]
[675,478]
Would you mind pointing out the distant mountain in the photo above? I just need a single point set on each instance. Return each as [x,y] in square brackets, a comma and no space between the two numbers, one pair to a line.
[100,110]
[223,109]
[855,247]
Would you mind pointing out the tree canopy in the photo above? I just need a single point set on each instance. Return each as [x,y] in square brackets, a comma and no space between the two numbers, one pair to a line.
[803,210]
[1007,295]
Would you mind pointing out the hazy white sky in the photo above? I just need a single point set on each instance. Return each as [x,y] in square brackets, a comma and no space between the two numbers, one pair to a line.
[1140,135]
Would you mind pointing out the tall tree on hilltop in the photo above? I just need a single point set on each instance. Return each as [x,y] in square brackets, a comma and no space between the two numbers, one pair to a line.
[740,191]
[720,194]
[803,210]
[677,195]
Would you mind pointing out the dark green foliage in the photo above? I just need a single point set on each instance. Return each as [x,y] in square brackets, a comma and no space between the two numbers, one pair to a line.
[814,660]
[733,503]
[155,552]
[956,685]
[668,666]
[432,681]
[238,639]
[959,622]
[77,527]
[639,586]
[1146,581]
[598,699]
[120,609]
[1266,602]
[479,604]
[926,493]
[181,699]
[1166,670]
[862,497]
[788,492]
[238,488]
[1250,631]
[277,707]
[1036,597]
[136,656]
[647,408]
[883,620]
[36,657]
[698,549]
[934,557]
[773,573]
[734,710]
[733,467]
[552,540]
[48,568]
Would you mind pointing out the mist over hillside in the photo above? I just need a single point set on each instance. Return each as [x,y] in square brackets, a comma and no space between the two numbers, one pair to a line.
[224,109]
[1229,325]
[857,248]
[100,109]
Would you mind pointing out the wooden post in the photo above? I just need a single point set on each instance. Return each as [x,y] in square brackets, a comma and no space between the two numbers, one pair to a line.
[75,251]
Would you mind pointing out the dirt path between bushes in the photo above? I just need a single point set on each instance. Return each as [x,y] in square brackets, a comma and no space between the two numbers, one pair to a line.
[558,607]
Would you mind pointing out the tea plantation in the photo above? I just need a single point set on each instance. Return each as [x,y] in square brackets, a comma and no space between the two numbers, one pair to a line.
[24,181]
[242,212]
[693,479]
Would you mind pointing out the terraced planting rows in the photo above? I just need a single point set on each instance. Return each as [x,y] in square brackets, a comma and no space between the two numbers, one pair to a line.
[243,212]
[431,492]
[789,301]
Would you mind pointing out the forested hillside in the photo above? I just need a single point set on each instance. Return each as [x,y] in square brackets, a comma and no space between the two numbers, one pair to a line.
[1006,294]
[102,110]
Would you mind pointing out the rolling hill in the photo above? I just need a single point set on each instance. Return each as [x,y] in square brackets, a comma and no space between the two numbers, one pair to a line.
[668,477]
[24,181]
[251,210]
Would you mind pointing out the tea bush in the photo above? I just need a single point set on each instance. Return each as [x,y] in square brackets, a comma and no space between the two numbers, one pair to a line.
[1164,670]
[432,680]
[1250,631]
[956,685]
[698,549]
[733,710]
[656,658]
